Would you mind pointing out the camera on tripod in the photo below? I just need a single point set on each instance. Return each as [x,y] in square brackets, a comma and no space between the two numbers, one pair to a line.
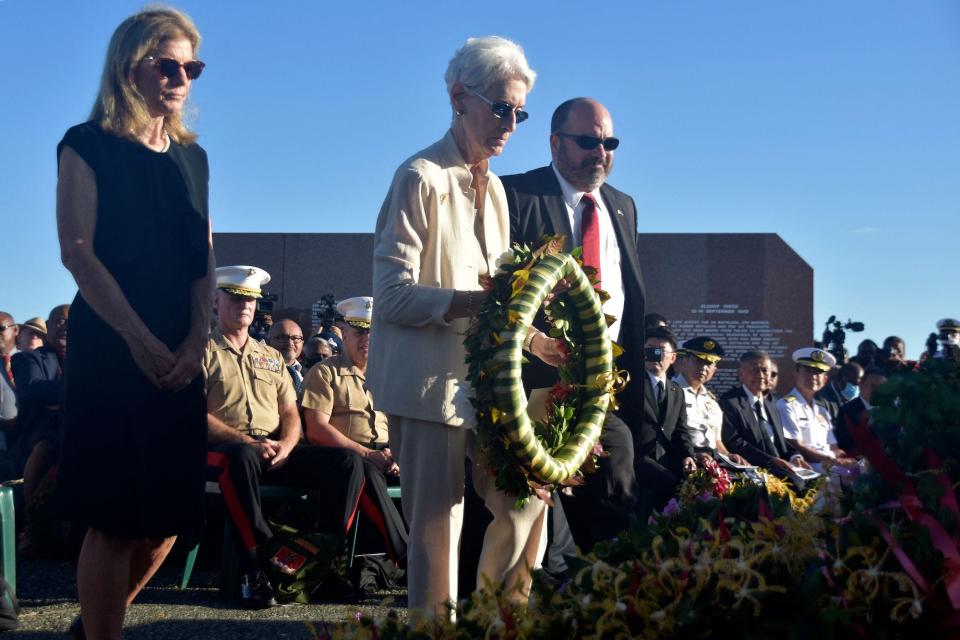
[835,334]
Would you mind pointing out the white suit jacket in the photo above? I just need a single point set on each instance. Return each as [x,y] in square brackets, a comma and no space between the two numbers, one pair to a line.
[425,248]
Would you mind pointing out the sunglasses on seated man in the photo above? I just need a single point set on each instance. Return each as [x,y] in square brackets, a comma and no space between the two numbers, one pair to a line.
[170,68]
[502,109]
[588,143]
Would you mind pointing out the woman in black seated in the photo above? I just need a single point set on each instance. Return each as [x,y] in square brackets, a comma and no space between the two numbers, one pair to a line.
[134,232]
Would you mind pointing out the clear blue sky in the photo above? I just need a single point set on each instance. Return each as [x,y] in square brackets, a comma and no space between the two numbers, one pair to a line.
[833,124]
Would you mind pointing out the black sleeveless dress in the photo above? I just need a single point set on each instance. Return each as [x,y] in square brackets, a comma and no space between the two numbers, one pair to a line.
[133,456]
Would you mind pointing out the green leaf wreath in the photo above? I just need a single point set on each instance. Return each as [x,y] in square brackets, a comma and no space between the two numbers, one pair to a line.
[529,457]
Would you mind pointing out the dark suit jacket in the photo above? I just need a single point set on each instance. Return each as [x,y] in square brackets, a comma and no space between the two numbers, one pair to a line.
[741,430]
[39,388]
[537,209]
[850,413]
[669,427]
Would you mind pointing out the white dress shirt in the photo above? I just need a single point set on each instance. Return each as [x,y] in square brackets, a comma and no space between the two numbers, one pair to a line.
[610,279]
[704,415]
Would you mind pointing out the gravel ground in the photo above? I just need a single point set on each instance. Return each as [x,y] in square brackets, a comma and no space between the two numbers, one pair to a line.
[49,603]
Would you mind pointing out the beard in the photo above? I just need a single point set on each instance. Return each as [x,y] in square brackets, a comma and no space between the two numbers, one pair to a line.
[586,175]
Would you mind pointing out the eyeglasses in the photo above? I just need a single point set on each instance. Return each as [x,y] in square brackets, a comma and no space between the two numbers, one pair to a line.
[588,143]
[4,327]
[170,68]
[502,109]
[287,338]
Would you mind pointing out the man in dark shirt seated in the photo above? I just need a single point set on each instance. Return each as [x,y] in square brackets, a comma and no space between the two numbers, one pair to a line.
[38,376]
[663,444]
[853,412]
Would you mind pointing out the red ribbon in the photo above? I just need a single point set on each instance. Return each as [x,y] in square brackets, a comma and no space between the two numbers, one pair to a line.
[896,479]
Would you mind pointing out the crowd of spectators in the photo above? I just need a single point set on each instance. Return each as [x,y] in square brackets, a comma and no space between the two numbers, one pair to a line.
[292,406]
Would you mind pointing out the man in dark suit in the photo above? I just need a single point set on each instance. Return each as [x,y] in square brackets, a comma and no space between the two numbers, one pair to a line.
[570,198]
[39,379]
[841,388]
[663,443]
[751,423]
[854,411]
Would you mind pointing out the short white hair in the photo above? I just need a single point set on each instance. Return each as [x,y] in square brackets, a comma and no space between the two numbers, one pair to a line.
[482,62]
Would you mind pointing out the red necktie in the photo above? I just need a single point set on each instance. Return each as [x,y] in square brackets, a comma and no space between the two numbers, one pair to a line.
[8,371]
[590,229]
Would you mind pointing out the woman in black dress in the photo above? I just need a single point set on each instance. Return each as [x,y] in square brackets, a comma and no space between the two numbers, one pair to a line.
[134,232]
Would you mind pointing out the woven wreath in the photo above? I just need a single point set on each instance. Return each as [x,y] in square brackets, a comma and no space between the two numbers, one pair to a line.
[530,457]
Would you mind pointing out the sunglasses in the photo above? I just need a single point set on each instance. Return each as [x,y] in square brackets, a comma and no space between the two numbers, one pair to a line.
[170,68]
[502,109]
[588,143]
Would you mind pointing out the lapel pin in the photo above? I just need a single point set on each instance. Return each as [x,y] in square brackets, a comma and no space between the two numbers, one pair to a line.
[443,198]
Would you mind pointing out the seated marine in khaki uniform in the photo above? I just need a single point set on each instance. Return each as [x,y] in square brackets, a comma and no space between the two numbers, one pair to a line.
[339,412]
[254,431]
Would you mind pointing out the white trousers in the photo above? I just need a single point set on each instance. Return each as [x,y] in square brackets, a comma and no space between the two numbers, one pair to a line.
[431,456]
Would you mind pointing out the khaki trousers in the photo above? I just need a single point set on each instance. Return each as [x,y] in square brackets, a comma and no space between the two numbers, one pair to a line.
[431,456]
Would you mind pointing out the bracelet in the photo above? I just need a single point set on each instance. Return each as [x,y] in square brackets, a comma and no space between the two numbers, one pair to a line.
[528,340]
[470,304]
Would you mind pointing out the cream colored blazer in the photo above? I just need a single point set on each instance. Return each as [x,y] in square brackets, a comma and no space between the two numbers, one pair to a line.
[425,248]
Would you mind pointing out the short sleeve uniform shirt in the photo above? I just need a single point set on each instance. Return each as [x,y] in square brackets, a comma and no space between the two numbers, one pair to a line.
[246,387]
[808,425]
[704,416]
[338,388]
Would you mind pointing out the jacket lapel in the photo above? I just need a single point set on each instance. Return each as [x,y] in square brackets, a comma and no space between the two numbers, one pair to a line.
[650,400]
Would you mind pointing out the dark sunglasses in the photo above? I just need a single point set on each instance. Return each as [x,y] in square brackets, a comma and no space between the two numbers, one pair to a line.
[502,109]
[170,68]
[588,143]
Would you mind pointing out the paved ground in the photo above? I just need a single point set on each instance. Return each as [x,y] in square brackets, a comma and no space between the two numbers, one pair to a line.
[49,603]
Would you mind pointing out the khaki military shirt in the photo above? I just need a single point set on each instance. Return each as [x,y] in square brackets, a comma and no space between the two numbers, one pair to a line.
[338,388]
[246,388]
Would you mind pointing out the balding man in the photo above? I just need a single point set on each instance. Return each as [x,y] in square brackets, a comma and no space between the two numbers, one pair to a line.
[286,336]
[570,197]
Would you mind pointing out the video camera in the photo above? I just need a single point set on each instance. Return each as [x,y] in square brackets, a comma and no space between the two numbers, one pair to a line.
[835,334]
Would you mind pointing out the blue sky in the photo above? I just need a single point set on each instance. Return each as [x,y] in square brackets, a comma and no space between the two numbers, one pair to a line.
[833,124]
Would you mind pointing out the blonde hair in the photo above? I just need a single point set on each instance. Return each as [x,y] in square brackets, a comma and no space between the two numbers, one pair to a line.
[120,108]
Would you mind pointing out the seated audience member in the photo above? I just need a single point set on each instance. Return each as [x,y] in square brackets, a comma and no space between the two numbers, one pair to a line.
[806,425]
[38,376]
[773,381]
[316,350]
[663,443]
[697,362]
[8,394]
[286,336]
[842,387]
[334,339]
[32,334]
[751,423]
[254,432]
[338,410]
[853,412]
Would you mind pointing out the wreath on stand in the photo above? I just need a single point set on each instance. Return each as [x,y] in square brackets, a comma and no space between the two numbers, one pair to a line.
[531,457]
